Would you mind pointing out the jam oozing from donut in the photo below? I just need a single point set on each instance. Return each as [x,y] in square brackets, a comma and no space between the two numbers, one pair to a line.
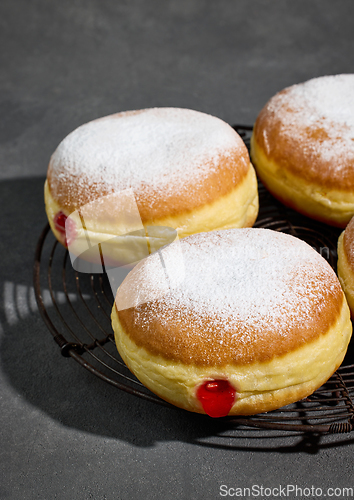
[217,397]
[59,221]
[68,232]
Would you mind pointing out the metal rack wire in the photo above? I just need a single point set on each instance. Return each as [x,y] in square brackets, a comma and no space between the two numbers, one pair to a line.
[76,309]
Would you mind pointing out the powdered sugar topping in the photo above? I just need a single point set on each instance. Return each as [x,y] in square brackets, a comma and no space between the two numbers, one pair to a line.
[155,147]
[325,104]
[255,277]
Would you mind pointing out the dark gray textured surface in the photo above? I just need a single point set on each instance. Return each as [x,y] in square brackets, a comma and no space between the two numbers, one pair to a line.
[63,433]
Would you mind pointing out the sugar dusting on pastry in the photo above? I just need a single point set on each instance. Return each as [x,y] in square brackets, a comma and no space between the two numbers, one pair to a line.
[323,106]
[158,147]
[245,281]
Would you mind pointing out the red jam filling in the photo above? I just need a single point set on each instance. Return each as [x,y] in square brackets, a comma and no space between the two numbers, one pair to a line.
[217,397]
[66,230]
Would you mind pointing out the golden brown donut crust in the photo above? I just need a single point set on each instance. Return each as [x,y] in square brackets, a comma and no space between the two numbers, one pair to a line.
[233,166]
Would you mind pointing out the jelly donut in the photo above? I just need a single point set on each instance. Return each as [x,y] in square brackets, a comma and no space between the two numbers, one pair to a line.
[257,321]
[185,170]
[345,266]
[302,147]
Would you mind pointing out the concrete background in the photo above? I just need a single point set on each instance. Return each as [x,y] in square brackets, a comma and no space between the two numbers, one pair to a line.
[64,434]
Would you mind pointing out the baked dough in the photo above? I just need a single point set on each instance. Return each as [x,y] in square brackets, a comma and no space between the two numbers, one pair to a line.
[302,147]
[345,266]
[184,170]
[257,310]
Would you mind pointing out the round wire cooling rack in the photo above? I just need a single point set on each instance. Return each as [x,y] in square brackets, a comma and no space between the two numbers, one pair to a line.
[76,308]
